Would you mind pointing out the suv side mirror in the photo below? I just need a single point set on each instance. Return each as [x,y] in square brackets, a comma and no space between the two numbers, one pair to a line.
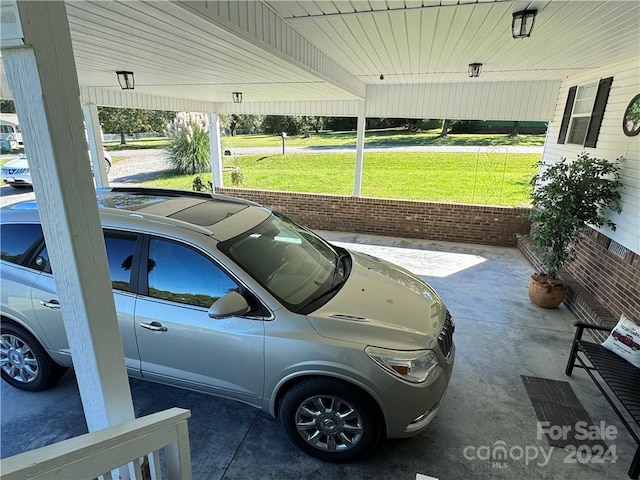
[231,305]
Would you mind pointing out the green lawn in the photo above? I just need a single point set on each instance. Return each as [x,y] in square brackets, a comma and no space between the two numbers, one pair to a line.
[373,138]
[447,177]
[140,144]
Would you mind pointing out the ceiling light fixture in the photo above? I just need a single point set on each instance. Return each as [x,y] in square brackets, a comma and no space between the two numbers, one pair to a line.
[381,77]
[237,97]
[126,80]
[522,23]
[475,69]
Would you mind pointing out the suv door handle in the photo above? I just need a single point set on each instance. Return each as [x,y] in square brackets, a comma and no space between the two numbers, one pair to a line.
[53,304]
[154,326]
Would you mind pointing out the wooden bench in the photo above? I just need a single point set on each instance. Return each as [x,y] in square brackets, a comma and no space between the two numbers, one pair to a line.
[621,377]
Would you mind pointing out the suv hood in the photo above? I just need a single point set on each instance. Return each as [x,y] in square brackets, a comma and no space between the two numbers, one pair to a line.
[19,162]
[384,305]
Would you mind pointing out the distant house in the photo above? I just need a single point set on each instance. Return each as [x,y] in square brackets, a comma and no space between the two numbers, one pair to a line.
[10,136]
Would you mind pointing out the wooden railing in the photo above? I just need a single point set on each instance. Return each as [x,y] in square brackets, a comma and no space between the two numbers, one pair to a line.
[130,447]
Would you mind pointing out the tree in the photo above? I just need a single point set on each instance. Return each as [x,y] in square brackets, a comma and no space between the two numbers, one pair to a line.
[7,106]
[233,124]
[276,124]
[316,123]
[156,120]
[570,195]
[445,128]
[340,123]
[125,121]
[251,123]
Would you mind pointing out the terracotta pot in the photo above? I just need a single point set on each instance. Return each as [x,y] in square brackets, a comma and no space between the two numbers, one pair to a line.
[546,292]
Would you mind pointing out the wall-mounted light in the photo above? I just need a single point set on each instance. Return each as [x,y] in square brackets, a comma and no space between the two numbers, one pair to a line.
[237,97]
[522,23]
[126,80]
[475,69]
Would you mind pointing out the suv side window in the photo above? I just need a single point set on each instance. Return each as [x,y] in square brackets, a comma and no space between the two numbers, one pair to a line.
[18,240]
[120,253]
[182,274]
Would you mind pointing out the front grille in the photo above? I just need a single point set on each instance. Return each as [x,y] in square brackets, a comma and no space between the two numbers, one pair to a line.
[445,339]
[14,171]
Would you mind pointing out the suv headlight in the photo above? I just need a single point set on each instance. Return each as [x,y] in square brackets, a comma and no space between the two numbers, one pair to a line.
[413,366]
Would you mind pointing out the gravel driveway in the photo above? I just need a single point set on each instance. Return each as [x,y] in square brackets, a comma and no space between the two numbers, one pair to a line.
[137,167]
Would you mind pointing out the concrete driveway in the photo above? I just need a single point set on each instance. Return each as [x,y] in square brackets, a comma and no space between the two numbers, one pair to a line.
[499,337]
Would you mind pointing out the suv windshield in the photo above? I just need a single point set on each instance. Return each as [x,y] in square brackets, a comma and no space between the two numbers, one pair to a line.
[292,263]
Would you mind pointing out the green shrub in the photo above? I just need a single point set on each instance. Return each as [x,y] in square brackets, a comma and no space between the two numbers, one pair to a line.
[188,145]
[199,185]
[569,196]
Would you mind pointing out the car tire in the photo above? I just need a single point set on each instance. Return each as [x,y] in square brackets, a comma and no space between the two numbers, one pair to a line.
[24,364]
[107,165]
[329,419]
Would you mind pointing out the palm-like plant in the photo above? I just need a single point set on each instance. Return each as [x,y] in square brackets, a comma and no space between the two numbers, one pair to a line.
[188,145]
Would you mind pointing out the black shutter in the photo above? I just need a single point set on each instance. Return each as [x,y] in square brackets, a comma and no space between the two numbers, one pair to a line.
[566,116]
[598,112]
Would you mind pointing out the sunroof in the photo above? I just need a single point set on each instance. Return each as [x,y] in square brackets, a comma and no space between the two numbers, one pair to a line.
[208,213]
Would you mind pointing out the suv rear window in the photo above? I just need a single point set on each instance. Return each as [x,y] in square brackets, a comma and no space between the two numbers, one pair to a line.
[17,241]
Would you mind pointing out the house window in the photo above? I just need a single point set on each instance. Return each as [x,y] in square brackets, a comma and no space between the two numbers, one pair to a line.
[583,113]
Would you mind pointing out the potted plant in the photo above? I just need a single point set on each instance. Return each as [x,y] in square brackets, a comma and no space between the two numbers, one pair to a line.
[567,196]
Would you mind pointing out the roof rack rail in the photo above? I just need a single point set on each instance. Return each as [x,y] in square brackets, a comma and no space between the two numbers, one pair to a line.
[167,192]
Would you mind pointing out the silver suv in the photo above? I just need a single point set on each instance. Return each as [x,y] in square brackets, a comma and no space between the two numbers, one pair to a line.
[230,298]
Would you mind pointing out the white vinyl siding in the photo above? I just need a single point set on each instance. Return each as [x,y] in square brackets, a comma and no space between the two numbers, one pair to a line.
[612,144]
[524,100]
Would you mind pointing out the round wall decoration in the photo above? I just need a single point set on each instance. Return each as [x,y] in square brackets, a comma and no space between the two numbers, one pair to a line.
[631,119]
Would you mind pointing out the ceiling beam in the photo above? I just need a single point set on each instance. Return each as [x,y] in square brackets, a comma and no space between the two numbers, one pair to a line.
[129,99]
[258,25]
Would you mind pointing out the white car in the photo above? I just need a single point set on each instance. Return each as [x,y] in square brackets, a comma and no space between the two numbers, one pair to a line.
[17,174]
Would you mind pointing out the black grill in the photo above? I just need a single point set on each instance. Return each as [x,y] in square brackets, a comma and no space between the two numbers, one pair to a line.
[445,339]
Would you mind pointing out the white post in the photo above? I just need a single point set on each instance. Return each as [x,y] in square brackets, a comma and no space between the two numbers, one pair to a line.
[216,154]
[357,187]
[42,77]
[94,136]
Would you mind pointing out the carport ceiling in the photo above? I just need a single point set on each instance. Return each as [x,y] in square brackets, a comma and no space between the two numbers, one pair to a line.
[176,51]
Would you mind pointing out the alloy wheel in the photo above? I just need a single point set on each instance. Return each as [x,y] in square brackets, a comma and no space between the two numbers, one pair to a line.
[329,423]
[17,359]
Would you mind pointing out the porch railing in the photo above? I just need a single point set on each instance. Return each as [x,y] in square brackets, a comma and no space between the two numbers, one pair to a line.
[131,447]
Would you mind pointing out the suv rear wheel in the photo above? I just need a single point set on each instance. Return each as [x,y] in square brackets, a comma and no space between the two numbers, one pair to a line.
[24,364]
[329,419]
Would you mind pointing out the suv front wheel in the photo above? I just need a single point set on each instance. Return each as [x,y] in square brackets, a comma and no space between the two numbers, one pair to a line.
[24,364]
[329,419]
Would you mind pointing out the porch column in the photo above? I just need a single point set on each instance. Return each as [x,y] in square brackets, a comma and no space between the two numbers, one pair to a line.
[41,73]
[357,187]
[94,136]
[216,154]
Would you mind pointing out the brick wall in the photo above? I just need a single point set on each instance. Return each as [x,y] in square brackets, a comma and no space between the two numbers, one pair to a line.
[614,281]
[449,222]
[602,285]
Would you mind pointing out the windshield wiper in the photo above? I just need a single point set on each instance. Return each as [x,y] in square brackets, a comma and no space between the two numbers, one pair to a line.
[331,289]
